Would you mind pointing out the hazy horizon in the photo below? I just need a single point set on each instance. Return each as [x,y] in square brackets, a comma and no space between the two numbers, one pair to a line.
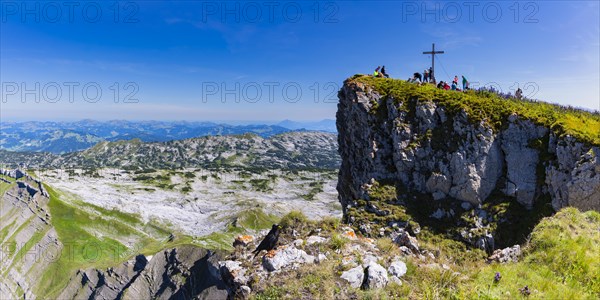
[216,121]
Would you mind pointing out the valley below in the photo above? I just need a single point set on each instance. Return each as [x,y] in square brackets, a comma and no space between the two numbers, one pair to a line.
[198,202]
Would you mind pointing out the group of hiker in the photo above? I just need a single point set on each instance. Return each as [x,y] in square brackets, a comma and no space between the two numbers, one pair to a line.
[444,85]
[427,77]
[380,72]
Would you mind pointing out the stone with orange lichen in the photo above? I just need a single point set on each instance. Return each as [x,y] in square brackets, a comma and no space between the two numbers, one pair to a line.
[350,234]
[243,240]
[271,253]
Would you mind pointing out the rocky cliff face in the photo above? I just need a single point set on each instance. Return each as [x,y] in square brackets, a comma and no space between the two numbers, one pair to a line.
[31,245]
[435,151]
[185,272]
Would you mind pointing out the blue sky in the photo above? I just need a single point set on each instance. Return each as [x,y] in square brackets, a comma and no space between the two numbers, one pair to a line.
[191,60]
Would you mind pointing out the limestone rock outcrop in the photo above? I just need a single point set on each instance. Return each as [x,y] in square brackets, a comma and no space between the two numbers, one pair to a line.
[375,276]
[354,276]
[434,150]
[286,256]
[180,273]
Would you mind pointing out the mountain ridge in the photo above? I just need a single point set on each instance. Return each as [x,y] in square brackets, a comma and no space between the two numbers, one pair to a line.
[64,137]
[293,150]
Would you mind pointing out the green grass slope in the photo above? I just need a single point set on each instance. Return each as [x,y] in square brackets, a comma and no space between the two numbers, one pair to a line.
[240,223]
[4,186]
[96,237]
[561,261]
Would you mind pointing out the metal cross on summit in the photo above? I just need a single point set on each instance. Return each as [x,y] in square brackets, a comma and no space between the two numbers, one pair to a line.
[433,53]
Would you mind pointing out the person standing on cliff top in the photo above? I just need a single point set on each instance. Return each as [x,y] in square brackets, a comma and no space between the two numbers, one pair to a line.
[383,73]
[431,77]
[465,83]
[426,75]
[519,94]
[455,79]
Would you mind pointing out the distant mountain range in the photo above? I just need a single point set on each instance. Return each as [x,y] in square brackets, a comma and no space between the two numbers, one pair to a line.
[65,137]
[326,125]
[290,150]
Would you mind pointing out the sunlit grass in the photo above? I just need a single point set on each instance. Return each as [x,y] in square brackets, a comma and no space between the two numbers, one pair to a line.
[492,109]
[560,261]
[94,237]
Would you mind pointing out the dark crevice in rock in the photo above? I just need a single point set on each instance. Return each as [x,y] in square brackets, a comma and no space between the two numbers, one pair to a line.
[140,263]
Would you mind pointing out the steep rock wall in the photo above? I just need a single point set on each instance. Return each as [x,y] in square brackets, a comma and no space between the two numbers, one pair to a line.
[434,150]
[28,241]
[186,272]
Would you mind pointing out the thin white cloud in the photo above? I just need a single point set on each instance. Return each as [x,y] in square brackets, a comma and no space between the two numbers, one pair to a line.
[453,38]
